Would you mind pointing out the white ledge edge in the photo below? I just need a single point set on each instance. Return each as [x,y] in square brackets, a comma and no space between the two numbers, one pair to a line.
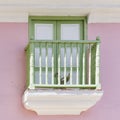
[93,16]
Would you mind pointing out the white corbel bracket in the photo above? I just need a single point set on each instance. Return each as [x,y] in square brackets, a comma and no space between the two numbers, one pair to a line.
[60,102]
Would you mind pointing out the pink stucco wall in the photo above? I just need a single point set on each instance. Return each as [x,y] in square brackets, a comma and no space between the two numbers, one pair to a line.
[13,39]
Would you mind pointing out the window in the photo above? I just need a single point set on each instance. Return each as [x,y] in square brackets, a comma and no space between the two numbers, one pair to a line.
[59,54]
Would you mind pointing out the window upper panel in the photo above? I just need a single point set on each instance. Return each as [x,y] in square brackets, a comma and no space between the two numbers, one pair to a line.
[67,29]
[43,31]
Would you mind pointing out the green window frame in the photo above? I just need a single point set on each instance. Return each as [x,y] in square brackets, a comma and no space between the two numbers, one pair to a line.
[51,19]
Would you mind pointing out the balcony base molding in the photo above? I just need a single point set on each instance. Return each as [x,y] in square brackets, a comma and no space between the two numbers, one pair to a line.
[60,101]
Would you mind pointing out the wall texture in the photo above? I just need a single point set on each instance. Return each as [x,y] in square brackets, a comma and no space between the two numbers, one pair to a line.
[14,38]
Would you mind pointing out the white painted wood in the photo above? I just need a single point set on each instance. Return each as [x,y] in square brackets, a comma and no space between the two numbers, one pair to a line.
[60,102]
[61,2]
[13,16]
[104,16]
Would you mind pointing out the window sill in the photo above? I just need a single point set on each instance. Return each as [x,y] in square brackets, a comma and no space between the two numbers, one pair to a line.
[60,101]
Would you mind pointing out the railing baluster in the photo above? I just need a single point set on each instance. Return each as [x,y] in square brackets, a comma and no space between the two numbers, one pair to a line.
[52,64]
[58,64]
[83,67]
[32,74]
[64,64]
[40,65]
[77,63]
[89,66]
[93,58]
[46,62]
[71,64]
[97,74]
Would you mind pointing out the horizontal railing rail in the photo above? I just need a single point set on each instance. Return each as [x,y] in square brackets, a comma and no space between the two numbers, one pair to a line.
[63,64]
[63,41]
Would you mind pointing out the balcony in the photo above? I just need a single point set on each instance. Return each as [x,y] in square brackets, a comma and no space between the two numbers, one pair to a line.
[62,76]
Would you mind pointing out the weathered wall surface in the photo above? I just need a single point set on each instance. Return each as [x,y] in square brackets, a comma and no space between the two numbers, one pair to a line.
[14,38]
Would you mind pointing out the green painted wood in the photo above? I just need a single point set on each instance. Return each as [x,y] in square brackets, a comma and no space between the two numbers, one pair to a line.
[65,67]
[93,63]
[97,70]
[85,37]
[50,68]
[32,34]
[65,86]
[46,64]
[82,19]
[28,65]
[83,65]
[58,66]
[77,65]
[54,18]
[73,68]
[40,64]
[89,64]
[31,85]
[53,66]
[56,44]
[69,42]
[66,41]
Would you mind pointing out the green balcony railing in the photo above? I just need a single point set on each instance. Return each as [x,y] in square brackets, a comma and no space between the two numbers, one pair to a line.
[63,64]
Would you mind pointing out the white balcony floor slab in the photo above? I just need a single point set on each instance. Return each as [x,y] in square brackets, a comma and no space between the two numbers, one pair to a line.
[60,101]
